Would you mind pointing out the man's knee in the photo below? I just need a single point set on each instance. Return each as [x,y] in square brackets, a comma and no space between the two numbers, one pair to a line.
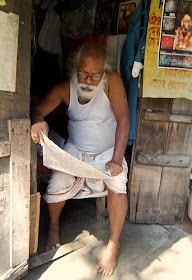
[117,195]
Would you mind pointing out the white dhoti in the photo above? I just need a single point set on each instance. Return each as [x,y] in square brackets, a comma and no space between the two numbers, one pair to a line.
[63,186]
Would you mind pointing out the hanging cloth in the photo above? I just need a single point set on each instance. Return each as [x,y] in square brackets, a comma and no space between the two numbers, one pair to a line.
[133,50]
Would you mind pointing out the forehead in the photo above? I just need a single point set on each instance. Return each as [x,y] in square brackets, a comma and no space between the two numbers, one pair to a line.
[93,64]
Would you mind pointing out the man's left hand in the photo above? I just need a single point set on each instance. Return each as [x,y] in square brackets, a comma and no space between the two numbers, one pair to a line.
[114,167]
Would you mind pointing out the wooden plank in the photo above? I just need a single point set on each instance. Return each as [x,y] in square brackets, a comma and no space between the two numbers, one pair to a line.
[100,205]
[21,100]
[55,254]
[172,195]
[175,181]
[165,117]
[144,182]
[5,148]
[34,223]
[4,215]
[20,189]
[151,136]
[33,167]
[16,272]
[144,193]
[189,210]
[163,160]
[6,105]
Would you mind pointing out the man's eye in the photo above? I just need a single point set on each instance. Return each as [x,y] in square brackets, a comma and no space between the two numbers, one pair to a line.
[83,74]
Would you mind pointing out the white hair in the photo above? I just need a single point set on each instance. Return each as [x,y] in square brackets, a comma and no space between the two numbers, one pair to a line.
[74,59]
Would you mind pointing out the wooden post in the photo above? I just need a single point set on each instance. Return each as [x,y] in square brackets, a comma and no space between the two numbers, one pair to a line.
[100,204]
[34,223]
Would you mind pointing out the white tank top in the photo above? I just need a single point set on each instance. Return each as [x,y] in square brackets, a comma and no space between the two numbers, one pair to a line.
[91,126]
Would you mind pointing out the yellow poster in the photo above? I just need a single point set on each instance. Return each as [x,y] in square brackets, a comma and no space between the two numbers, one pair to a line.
[162,82]
[2,3]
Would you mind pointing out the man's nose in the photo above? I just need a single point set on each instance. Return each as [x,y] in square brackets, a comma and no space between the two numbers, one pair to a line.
[88,80]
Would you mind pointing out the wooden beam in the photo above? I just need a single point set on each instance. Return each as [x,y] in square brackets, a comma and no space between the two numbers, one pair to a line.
[100,205]
[55,254]
[166,117]
[163,160]
[5,149]
[34,223]
[19,135]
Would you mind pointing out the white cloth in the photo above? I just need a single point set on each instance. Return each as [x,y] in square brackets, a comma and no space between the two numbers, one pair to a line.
[114,49]
[92,126]
[64,186]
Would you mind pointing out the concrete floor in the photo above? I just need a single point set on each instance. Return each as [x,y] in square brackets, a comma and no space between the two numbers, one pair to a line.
[148,252]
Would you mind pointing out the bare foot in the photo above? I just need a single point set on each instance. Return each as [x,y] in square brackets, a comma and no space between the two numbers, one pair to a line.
[53,240]
[107,263]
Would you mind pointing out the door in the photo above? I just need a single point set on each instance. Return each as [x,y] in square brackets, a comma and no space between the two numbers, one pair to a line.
[15,41]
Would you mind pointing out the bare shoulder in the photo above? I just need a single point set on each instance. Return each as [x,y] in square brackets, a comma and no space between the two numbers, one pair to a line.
[115,85]
[117,96]
[63,91]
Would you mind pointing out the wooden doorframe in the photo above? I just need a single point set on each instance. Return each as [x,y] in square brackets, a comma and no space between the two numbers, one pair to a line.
[15,173]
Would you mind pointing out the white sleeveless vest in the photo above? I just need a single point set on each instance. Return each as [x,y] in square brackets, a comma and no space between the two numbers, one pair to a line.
[92,126]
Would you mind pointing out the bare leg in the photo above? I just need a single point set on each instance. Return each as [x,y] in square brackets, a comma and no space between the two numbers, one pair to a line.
[117,208]
[53,240]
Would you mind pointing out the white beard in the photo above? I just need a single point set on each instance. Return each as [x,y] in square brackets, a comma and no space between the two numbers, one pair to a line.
[87,92]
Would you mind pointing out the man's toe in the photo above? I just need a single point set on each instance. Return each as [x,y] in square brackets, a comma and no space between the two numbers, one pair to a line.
[57,245]
[100,270]
[104,272]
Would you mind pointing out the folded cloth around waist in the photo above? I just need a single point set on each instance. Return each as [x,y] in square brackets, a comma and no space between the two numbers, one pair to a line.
[63,186]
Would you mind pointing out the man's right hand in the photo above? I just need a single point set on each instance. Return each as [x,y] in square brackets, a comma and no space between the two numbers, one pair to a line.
[36,130]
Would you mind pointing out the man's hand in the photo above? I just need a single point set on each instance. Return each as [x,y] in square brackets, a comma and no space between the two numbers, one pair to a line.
[114,167]
[36,130]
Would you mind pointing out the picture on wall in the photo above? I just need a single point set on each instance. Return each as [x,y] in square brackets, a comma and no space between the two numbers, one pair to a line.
[126,12]
[175,48]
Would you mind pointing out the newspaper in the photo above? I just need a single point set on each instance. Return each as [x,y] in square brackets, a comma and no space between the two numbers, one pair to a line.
[57,159]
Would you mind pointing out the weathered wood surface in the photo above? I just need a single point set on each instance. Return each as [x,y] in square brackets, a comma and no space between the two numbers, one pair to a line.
[22,8]
[144,191]
[163,160]
[16,272]
[175,181]
[5,148]
[20,189]
[55,254]
[189,210]
[34,223]
[6,107]
[33,167]
[100,205]
[158,194]
[165,117]
[144,182]
[14,169]
[4,214]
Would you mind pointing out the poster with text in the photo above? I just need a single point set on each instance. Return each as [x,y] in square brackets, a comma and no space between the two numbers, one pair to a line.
[175,47]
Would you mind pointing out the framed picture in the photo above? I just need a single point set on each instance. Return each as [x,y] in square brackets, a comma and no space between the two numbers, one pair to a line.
[126,12]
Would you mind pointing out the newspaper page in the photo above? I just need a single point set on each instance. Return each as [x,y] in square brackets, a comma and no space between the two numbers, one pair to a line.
[175,48]
[57,159]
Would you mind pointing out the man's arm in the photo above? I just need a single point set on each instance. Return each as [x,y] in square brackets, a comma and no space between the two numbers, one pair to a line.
[118,99]
[59,93]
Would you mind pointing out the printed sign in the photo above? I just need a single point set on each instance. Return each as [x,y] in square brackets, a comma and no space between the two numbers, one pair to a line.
[159,82]
[175,48]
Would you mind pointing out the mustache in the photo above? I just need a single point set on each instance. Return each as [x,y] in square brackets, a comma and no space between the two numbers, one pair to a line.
[87,87]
